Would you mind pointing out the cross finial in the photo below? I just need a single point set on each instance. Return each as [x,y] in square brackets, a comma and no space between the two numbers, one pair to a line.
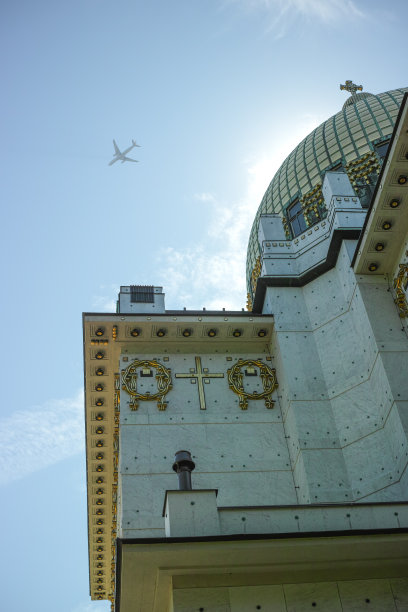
[351,87]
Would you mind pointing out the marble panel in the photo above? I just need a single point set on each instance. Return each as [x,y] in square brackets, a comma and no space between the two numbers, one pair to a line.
[377,460]
[215,447]
[391,493]
[360,595]
[143,533]
[249,598]
[305,597]
[364,408]
[249,489]
[347,351]
[399,587]
[288,306]
[326,475]
[402,408]
[300,478]
[311,425]
[300,361]
[383,315]
[329,295]
[396,367]
[211,599]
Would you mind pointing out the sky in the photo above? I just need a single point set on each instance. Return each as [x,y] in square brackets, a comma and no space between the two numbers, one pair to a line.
[217,93]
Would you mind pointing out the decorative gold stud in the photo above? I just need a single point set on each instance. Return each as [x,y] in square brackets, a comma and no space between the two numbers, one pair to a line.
[99,387]
[395,203]
[211,333]
[379,246]
[100,355]
[135,332]
[186,333]
[386,225]
[402,179]
[262,333]
[160,333]
[99,332]
[373,267]
[237,333]
[99,430]
[100,372]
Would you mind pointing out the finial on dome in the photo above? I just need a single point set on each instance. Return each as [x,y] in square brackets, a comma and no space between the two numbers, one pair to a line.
[351,87]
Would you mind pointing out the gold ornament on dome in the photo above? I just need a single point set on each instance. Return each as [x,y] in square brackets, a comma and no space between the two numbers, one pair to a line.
[163,378]
[400,283]
[236,382]
[351,87]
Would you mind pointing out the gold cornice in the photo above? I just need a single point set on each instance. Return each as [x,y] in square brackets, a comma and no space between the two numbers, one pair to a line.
[400,296]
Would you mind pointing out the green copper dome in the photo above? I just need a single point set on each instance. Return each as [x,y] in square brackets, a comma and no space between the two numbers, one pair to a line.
[354,140]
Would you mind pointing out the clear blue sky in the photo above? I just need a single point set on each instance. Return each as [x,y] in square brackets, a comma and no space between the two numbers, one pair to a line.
[217,93]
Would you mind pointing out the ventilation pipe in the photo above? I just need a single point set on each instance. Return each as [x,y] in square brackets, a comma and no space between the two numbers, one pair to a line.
[183,466]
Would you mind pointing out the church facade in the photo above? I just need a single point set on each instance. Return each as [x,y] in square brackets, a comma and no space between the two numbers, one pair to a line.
[256,460]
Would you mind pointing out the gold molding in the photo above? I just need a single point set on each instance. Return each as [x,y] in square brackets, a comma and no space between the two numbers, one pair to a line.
[401,298]
[268,377]
[164,385]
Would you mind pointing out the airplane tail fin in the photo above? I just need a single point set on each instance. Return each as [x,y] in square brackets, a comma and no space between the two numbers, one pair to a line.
[135,144]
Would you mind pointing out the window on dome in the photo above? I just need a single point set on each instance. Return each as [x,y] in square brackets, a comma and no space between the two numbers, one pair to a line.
[382,148]
[296,219]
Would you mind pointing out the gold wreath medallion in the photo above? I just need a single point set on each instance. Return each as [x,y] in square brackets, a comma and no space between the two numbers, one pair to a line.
[236,382]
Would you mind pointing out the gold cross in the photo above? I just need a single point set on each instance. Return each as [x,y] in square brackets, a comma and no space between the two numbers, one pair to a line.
[351,87]
[200,375]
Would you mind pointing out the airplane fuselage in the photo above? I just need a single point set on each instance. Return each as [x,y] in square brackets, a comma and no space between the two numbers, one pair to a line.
[121,155]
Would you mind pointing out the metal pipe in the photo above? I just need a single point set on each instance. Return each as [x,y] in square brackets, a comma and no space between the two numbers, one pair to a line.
[183,466]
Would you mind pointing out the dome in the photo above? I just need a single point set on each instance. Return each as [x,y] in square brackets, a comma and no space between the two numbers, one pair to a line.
[356,98]
[354,140]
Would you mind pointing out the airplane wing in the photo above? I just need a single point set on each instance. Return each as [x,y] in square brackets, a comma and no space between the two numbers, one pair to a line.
[117,150]
[129,159]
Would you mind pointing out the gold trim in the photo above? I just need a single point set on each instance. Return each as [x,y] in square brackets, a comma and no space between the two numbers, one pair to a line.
[236,382]
[401,298]
[164,385]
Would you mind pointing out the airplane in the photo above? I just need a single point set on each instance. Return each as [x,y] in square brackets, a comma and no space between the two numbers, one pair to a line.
[121,155]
